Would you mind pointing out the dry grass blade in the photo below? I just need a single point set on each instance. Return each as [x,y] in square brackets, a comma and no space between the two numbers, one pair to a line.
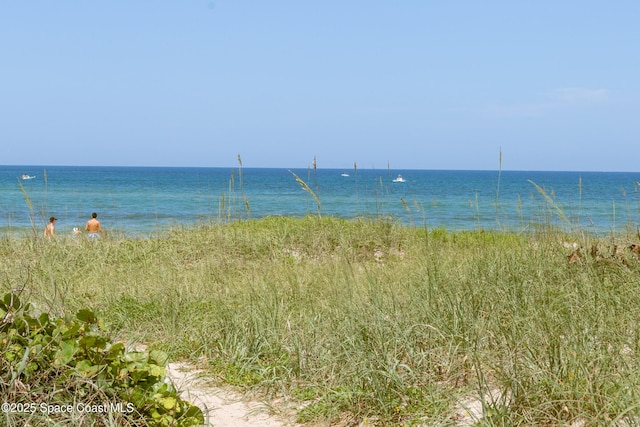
[308,189]
[553,204]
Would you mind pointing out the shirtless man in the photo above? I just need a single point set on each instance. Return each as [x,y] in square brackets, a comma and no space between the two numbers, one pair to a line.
[50,229]
[93,226]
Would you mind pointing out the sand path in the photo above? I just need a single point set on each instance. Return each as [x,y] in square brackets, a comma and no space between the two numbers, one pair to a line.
[224,408]
[221,408]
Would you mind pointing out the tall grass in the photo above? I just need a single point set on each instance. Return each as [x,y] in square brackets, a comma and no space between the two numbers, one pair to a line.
[308,189]
[367,319]
[230,207]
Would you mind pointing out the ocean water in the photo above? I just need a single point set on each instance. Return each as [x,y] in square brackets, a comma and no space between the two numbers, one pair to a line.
[143,201]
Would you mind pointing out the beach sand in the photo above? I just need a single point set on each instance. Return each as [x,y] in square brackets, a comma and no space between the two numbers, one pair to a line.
[221,408]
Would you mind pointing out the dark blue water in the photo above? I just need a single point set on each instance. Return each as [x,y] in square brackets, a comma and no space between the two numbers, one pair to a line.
[142,201]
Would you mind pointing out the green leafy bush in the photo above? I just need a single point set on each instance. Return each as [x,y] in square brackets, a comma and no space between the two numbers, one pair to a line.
[67,369]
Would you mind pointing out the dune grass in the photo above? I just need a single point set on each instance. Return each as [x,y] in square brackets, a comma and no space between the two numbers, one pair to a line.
[367,319]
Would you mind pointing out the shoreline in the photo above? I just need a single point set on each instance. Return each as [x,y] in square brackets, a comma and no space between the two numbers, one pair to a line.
[63,232]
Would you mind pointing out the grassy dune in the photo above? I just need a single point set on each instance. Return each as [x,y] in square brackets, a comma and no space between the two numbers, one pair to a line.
[367,319]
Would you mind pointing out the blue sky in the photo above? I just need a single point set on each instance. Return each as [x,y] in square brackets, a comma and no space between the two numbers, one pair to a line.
[403,84]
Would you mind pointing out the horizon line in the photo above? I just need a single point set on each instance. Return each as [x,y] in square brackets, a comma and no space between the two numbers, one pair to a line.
[320,168]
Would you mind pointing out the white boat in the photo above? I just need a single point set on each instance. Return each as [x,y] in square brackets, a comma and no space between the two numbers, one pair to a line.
[399,178]
[25,176]
[344,174]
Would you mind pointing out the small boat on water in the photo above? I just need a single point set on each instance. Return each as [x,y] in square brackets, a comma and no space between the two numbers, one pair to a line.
[399,178]
[344,174]
[25,176]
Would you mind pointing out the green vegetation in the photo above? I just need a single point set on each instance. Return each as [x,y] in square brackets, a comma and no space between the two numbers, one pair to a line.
[66,371]
[366,319]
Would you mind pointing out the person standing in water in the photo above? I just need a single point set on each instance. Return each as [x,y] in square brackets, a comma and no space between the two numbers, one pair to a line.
[93,226]
[50,229]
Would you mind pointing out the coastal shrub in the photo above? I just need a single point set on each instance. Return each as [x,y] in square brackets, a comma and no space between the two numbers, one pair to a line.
[67,370]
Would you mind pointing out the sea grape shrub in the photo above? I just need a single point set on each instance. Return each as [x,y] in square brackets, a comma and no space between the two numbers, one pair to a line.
[71,359]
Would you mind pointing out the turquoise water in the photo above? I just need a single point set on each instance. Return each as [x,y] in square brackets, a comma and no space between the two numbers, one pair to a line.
[140,201]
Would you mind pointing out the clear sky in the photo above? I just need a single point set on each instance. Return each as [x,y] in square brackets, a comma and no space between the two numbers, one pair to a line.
[408,84]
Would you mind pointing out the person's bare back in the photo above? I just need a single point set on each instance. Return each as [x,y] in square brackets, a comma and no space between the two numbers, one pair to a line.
[93,226]
[49,230]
